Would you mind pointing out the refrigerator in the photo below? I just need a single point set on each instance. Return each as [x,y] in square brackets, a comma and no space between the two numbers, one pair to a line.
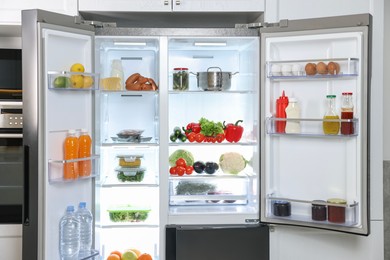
[265,177]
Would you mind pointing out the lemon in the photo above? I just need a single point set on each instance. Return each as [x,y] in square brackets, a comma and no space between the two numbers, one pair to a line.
[88,81]
[77,67]
[77,81]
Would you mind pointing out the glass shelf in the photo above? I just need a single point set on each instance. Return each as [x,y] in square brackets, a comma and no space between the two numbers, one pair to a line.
[76,81]
[311,127]
[343,68]
[130,93]
[184,92]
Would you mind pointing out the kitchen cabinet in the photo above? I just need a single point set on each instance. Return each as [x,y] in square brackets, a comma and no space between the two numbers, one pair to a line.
[298,9]
[10,11]
[11,242]
[172,5]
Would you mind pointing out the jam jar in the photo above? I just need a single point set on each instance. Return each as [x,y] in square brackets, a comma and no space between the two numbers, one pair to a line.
[281,208]
[336,214]
[318,210]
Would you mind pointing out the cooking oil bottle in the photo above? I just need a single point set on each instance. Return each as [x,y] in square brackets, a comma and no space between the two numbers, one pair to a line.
[331,123]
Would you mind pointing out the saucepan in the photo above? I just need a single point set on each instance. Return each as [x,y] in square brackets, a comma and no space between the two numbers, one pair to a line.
[214,79]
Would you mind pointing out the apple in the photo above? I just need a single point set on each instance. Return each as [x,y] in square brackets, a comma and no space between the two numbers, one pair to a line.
[129,255]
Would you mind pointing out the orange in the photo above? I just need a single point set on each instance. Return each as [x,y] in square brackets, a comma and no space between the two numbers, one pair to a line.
[136,251]
[145,256]
[113,257]
[116,252]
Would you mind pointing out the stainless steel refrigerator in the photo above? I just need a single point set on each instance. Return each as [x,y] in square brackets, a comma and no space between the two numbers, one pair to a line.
[284,177]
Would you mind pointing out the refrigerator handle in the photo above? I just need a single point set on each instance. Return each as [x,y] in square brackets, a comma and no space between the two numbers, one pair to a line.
[26,181]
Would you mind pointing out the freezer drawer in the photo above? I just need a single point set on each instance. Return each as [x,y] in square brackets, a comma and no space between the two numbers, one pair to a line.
[217,242]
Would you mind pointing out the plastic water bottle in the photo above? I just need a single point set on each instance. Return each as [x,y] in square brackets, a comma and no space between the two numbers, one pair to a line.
[85,217]
[69,235]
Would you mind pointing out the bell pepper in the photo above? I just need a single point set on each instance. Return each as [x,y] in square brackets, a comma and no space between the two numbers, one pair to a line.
[233,132]
[192,127]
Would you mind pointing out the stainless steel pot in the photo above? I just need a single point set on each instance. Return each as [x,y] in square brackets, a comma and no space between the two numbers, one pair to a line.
[214,79]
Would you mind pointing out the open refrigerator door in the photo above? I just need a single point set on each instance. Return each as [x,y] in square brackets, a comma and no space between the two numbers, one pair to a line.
[314,157]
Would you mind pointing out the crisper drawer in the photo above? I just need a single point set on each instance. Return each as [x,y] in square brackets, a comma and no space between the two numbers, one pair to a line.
[213,190]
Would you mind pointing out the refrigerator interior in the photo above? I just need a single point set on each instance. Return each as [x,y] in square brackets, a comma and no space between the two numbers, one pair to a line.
[64,109]
[128,184]
[310,165]
[225,198]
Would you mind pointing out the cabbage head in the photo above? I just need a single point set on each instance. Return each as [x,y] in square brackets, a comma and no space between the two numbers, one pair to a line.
[181,153]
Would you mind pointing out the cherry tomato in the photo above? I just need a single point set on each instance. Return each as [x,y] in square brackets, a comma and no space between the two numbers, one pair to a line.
[189,169]
[173,170]
[181,162]
[180,170]
[220,138]
[213,139]
[199,137]
[191,137]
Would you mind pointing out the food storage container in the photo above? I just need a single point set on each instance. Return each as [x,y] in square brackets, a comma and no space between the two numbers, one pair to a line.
[127,174]
[180,79]
[318,211]
[127,213]
[281,208]
[133,160]
[336,213]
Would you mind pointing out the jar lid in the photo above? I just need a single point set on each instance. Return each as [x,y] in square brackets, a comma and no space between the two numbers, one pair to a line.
[347,93]
[337,201]
[318,203]
[180,69]
[293,100]
[331,96]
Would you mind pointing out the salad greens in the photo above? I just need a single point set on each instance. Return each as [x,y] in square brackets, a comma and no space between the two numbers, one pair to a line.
[210,128]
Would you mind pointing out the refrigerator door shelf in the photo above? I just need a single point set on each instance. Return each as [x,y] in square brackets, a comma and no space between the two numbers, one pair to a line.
[338,68]
[66,80]
[312,127]
[56,169]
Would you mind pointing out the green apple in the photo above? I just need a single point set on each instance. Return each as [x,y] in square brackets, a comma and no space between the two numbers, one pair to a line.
[129,255]
[62,82]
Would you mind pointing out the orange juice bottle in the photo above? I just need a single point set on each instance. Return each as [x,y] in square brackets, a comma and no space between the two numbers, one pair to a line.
[71,149]
[85,141]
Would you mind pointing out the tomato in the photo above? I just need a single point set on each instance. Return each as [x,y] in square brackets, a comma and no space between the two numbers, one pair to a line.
[199,137]
[213,139]
[189,169]
[180,170]
[191,137]
[220,138]
[181,162]
[173,170]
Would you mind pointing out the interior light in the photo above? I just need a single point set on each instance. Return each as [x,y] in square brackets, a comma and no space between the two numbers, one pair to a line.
[210,43]
[130,43]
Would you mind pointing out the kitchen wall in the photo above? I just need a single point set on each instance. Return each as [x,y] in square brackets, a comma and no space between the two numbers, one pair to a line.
[386,130]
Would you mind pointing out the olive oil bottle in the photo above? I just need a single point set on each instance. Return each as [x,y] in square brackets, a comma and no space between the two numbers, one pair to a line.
[331,123]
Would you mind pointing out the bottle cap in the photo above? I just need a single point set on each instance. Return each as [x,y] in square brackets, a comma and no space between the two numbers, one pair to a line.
[283,98]
[347,93]
[180,69]
[71,131]
[82,205]
[70,209]
[331,96]
[293,100]
[83,130]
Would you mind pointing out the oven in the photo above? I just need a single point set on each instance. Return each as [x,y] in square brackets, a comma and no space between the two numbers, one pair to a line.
[11,162]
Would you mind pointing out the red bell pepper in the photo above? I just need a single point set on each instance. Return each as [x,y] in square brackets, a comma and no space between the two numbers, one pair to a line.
[192,127]
[233,132]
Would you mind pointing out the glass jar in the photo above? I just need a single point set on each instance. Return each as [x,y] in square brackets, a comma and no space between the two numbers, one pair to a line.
[336,214]
[180,79]
[318,211]
[281,208]
[331,124]
[347,128]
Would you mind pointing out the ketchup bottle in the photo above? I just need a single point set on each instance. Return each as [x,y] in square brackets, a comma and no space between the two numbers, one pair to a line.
[281,104]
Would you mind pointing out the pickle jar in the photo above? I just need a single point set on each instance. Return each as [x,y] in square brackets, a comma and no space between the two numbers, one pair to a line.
[336,212]
[180,79]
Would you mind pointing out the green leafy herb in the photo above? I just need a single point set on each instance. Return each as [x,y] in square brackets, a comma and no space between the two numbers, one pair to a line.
[210,128]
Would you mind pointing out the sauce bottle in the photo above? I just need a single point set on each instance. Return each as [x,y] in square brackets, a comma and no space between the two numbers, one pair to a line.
[293,111]
[347,128]
[71,149]
[331,127]
[281,104]
[85,141]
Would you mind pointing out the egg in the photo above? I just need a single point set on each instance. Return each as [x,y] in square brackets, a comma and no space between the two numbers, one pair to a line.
[322,68]
[276,70]
[286,70]
[296,69]
[333,68]
[310,69]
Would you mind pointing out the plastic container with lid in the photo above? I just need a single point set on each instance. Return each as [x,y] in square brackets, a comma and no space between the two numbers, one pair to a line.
[127,174]
[336,214]
[132,161]
[180,79]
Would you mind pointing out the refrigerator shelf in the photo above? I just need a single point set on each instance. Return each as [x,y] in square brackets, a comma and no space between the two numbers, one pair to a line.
[217,200]
[129,93]
[351,205]
[307,220]
[93,157]
[312,127]
[75,81]
[197,176]
[125,225]
[338,68]
[222,92]
[224,143]
[127,144]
